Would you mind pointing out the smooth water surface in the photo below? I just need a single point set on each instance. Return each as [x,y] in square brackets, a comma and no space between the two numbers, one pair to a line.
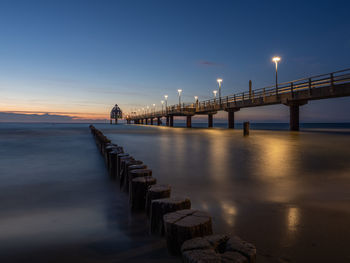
[286,192]
[57,203]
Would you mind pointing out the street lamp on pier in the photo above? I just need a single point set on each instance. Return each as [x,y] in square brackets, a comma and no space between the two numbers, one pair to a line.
[276,60]
[154,108]
[162,101]
[166,103]
[214,92]
[219,82]
[179,92]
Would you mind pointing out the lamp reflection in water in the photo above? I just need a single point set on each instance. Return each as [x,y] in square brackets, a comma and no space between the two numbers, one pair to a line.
[292,222]
[229,213]
[277,169]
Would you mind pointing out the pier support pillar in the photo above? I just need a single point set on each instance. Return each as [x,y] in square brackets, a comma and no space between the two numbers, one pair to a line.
[158,121]
[210,120]
[146,121]
[231,118]
[167,120]
[294,114]
[171,124]
[294,117]
[116,121]
[188,121]
[151,121]
[111,121]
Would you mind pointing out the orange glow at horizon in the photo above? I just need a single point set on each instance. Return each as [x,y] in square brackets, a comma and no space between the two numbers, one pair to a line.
[74,115]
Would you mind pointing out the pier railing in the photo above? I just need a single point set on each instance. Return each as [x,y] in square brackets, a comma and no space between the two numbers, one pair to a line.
[291,87]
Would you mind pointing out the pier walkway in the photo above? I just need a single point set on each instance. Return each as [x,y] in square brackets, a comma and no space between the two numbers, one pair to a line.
[292,94]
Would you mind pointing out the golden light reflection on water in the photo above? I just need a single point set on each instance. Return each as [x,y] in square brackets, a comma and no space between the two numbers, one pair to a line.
[229,213]
[277,165]
[218,157]
[293,219]
[276,157]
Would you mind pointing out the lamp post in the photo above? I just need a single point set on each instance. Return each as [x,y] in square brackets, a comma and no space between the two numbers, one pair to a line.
[166,103]
[154,108]
[179,92]
[147,108]
[214,92]
[162,101]
[276,60]
[219,82]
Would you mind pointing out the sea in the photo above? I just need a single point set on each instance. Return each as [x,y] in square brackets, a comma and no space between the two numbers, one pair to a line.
[286,192]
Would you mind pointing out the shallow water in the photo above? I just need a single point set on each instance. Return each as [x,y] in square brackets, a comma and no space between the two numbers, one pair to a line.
[57,203]
[288,193]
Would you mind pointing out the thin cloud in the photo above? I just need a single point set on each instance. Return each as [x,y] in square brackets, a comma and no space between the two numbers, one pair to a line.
[209,63]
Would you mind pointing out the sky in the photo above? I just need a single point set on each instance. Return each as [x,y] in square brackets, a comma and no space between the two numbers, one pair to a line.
[74,60]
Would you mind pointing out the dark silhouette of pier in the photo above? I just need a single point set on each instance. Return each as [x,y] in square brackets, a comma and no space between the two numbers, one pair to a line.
[292,94]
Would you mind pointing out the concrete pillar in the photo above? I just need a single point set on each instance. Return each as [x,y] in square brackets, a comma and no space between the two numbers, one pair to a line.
[210,120]
[111,121]
[146,121]
[294,117]
[188,121]
[151,121]
[116,120]
[171,124]
[231,119]
[167,120]
[158,121]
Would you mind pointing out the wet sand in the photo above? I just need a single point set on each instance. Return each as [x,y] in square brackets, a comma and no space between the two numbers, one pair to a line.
[286,192]
[58,204]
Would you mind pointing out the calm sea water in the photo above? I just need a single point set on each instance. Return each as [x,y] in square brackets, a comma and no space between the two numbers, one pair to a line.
[286,192]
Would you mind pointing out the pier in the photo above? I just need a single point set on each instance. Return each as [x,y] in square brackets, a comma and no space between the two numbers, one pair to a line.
[292,94]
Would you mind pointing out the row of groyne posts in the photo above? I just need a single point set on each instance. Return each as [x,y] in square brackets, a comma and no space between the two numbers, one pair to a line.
[188,232]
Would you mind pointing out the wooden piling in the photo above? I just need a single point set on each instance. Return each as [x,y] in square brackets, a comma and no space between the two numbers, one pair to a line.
[138,190]
[246,128]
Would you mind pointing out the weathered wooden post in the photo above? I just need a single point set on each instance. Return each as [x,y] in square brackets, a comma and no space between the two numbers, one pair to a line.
[218,248]
[117,167]
[138,173]
[113,162]
[125,168]
[160,207]
[156,192]
[246,128]
[121,160]
[183,225]
[189,121]
[138,190]
[127,178]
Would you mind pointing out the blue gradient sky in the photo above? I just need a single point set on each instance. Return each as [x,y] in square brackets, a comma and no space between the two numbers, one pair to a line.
[79,58]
